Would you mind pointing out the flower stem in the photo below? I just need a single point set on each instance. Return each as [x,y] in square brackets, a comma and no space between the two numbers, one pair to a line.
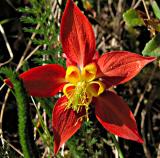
[117,146]
[25,127]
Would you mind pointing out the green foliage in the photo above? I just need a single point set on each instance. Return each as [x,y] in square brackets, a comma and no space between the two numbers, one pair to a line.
[87,142]
[40,21]
[156,9]
[152,48]
[132,18]
[24,121]
[46,136]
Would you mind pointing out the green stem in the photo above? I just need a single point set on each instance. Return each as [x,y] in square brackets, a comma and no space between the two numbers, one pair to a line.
[25,127]
[117,146]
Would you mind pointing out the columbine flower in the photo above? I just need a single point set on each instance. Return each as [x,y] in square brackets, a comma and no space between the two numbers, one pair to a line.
[88,77]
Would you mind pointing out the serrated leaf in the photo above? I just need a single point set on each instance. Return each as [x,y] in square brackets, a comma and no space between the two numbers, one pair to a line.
[152,48]
[28,10]
[39,31]
[40,41]
[132,18]
[156,9]
[29,20]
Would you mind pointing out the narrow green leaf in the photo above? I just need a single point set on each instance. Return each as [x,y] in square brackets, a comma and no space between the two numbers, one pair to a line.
[4,21]
[29,20]
[156,9]
[132,18]
[152,48]
[33,11]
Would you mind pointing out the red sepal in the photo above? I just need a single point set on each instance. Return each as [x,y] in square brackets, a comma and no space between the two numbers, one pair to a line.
[42,81]
[77,36]
[121,66]
[115,116]
[65,123]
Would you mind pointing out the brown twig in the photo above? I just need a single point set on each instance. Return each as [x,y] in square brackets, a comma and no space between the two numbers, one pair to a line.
[145,148]
[158,152]
[144,92]
[31,53]
[2,112]
[20,153]
[2,86]
[133,3]
[137,4]
[146,10]
[7,45]
[146,113]
[27,49]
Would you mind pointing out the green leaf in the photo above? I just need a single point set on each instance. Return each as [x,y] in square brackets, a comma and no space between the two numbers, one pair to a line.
[4,21]
[152,48]
[156,9]
[28,10]
[132,18]
[29,20]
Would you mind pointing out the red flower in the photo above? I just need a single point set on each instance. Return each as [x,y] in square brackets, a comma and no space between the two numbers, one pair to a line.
[87,77]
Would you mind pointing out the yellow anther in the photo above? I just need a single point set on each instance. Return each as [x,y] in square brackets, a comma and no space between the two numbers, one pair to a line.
[89,72]
[95,88]
[68,90]
[73,74]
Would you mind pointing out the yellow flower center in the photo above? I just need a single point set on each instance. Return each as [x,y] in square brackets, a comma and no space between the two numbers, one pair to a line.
[82,86]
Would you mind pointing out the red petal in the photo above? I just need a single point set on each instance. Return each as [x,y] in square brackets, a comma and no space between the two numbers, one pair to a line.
[115,116]
[65,123]
[43,81]
[121,66]
[77,35]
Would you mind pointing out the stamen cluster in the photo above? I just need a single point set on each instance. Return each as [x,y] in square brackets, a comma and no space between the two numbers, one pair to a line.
[82,86]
